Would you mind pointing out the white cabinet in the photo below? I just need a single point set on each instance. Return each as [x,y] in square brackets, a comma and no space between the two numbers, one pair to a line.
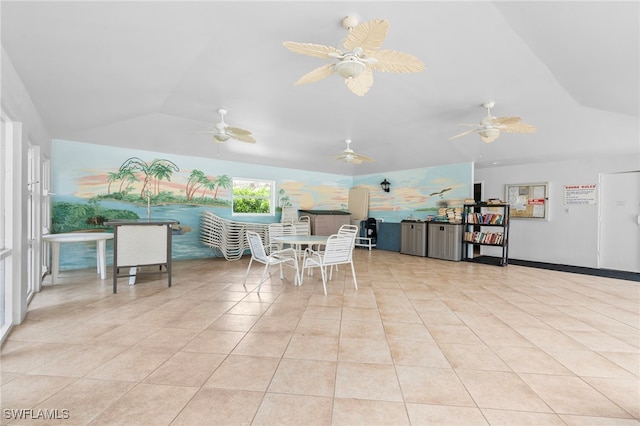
[359,204]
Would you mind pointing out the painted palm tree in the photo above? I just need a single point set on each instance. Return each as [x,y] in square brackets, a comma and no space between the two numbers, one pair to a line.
[112,177]
[195,181]
[222,181]
[285,200]
[208,184]
[128,177]
[160,172]
[158,169]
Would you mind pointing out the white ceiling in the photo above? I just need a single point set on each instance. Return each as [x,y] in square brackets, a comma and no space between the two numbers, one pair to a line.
[146,75]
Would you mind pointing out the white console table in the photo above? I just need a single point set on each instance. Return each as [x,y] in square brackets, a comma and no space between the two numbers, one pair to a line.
[78,237]
[140,242]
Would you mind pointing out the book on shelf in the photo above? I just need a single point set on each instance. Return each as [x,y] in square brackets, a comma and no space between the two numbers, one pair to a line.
[484,218]
[496,238]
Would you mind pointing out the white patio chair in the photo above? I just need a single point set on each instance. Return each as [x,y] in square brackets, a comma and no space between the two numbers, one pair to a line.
[350,230]
[303,226]
[279,257]
[278,230]
[337,251]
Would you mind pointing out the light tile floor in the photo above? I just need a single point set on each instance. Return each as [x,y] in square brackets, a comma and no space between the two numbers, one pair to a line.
[422,341]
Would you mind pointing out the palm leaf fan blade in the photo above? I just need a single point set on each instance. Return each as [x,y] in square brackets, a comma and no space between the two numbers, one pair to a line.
[316,75]
[360,85]
[368,36]
[506,120]
[237,131]
[519,128]
[240,134]
[244,138]
[398,62]
[365,158]
[311,49]
[468,132]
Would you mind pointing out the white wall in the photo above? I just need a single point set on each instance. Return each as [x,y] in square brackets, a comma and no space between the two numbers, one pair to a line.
[570,235]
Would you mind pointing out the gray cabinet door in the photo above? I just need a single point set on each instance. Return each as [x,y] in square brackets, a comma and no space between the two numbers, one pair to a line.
[445,240]
[413,238]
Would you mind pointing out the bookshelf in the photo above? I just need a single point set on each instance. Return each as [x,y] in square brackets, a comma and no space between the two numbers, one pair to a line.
[486,224]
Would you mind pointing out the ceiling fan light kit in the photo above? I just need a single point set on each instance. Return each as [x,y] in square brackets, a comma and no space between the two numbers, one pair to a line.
[221,137]
[490,133]
[349,68]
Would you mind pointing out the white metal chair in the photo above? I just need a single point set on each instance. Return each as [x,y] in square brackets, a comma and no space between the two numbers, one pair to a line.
[279,257]
[303,226]
[278,230]
[349,230]
[338,251]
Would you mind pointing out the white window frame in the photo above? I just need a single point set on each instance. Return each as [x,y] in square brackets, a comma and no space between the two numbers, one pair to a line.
[272,198]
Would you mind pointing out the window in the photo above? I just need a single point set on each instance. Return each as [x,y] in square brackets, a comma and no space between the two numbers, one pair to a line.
[253,197]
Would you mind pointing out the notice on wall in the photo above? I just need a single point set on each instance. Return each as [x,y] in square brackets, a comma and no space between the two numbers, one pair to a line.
[528,201]
[580,195]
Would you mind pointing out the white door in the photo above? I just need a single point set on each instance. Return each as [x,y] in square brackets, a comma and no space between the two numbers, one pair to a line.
[34,185]
[620,221]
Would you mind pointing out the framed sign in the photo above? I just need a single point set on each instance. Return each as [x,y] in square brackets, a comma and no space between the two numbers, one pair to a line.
[580,195]
[528,200]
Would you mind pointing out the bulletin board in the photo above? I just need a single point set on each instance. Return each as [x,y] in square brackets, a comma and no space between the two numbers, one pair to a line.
[528,200]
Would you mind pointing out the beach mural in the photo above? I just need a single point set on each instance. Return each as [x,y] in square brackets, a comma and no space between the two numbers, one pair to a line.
[93,183]
[419,194]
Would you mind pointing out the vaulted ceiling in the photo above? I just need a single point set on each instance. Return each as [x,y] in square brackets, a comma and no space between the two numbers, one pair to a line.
[147,75]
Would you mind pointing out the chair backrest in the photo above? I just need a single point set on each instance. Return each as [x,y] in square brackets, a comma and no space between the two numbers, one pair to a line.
[257,248]
[278,230]
[339,249]
[302,227]
[349,230]
[289,215]
[288,229]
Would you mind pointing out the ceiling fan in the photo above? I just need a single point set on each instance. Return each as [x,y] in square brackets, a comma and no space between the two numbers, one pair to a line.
[349,156]
[490,127]
[223,132]
[361,58]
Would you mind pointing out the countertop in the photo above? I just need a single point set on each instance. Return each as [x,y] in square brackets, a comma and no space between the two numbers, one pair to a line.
[150,221]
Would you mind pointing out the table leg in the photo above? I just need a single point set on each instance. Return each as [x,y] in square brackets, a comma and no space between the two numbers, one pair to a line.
[101,255]
[55,261]
[132,275]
